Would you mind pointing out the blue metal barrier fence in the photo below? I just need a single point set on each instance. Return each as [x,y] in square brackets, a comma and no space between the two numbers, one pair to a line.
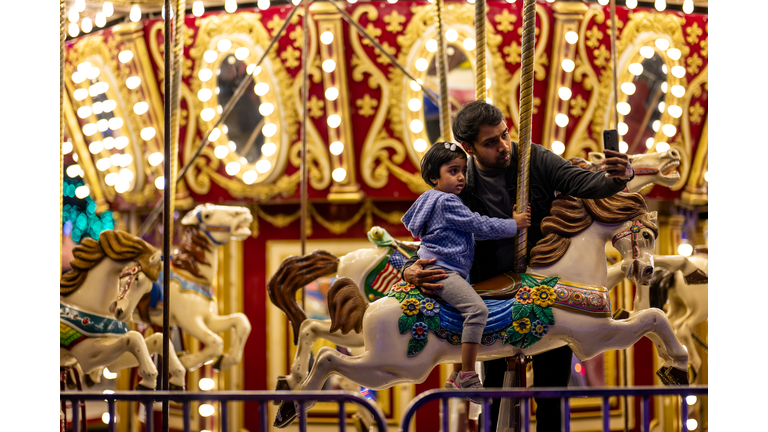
[263,397]
[553,392]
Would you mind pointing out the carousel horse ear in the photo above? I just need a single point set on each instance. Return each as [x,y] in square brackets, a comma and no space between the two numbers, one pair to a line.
[653,215]
[191,217]
[156,257]
[596,157]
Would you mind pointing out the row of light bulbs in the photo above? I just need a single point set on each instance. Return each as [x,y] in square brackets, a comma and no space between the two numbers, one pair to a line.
[334,120]
[660,5]
[86,25]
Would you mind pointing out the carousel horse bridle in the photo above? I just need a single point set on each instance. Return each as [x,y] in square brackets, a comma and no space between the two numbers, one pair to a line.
[133,275]
[633,231]
[208,228]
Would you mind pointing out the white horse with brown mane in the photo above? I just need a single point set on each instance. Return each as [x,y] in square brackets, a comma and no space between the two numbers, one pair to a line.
[193,302]
[561,300]
[97,296]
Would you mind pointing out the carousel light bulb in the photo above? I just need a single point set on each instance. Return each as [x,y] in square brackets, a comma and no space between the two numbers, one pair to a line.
[678,91]
[125,56]
[210,56]
[660,5]
[631,4]
[73,29]
[662,44]
[685,249]
[121,142]
[221,151]
[674,53]
[140,108]
[415,86]
[266,109]
[469,44]
[122,186]
[108,9]
[250,177]
[263,166]
[561,120]
[336,148]
[98,107]
[646,51]
[73,170]
[603,2]
[86,25]
[102,125]
[635,69]
[105,418]
[391,1]
[263,4]
[135,14]
[96,147]
[125,160]
[431,45]
[348,1]
[242,53]
[111,178]
[115,159]
[133,82]
[326,38]
[422,64]
[66,147]
[84,111]
[109,143]
[261,88]
[108,374]
[78,77]
[198,9]
[416,126]
[269,130]
[80,5]
[571,37]
[564,93]
[451,35]
[89,129]
[215,134]
[73,15]
[339,174]
[688,6]
[414,104]
[155,158]
[568,65]
[115,123]
[147,133]
[623,108]
[232,168]
[662,146]
[558,147]
[691,400]
[669,130]
[268,149]
[160,182]
[109,105]
[623,146]
[329,65]
[623,128]
[230,6]
[224,45]
[649,143]
[420,145]
[207,114]
[75,157]
[205,74]
[675,111]
[628,88]
[656,125]
[206,410]
[82,191]
[334,120]
[661,106]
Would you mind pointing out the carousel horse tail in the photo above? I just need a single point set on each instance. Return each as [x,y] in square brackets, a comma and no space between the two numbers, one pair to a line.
[658,292]
[293,274]
[347,306]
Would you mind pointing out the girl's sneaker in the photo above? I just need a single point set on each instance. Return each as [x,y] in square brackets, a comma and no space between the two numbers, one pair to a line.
[450,383]
[470,381]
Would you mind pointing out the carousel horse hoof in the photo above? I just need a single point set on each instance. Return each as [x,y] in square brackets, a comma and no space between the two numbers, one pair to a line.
[662,374]
[217,364]
[692,374]
[71,383]
[286,414]
[174,387]
[89,382]
[140,387]
[672,376]
[282,384]
[620,314]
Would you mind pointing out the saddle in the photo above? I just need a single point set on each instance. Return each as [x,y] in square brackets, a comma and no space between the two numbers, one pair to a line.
[501,287]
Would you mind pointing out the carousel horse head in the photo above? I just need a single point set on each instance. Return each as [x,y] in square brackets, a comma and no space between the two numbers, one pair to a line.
[131,286]
[650,168]
[220,224]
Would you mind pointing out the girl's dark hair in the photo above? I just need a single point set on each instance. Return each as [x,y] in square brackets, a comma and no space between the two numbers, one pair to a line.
[437,156]
[471,116]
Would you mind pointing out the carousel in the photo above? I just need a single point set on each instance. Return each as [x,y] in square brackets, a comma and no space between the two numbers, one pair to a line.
[234,179]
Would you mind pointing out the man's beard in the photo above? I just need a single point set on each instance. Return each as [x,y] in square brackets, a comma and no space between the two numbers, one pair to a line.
[498,162]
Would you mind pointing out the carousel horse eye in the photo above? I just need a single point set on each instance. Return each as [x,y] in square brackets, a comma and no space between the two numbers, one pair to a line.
[646,236]
[208,216]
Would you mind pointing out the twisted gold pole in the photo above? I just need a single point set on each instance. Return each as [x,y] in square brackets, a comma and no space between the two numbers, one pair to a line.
[526,112]
[614,30]
[442,74]
[178,58]
[62,38]
[480,64]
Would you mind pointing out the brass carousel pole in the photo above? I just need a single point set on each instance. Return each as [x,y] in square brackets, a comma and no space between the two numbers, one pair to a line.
[304,119]
[167,215]
[442,73]
[526,113]
[480,63]
[62,38]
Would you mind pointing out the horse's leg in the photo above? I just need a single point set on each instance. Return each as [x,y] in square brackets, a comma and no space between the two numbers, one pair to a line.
[95,353]
[310,331]
[155,346]
[242,328]
[195,327]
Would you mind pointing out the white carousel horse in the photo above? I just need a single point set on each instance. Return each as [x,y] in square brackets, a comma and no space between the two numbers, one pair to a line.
[650,168]
[193,303]
[396,329]
[107,279]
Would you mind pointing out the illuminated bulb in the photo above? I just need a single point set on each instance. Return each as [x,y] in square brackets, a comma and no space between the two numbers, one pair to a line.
[266,109]
[84,66]
[155,158]
[221,151]
[121,142]
[74,157]
[198,9]
[623,128]
[210,56]
[206,410]
[263,4]
[660,5]
[84,111]
[674,53]
[135,14]
[125,160]
[623,108]
[250,176]
[451,35]
[215,134]
[98,107]
[420,145]
[662,44]
[73,29]
[646,52]
[263,166]
[241,53]
[82,191]
[232,168]
[133,82]
[675,111]
[669,130]
[691,400]
[140,108]
[160,182]
[66,147]
[422,64]
[631,4]
[571,37]
[415,86]
[635,69]
[334,120]
[656,125]
[93,73]
[661,106]
[469,44]
[685,250]
[102,125]
[268,149]
[558,147]
[431,45]
[90,129]
[706,176]
[122,186]
[678,91]
[109,105]
[623,147]
[108,374]
[86,25]
[115,159]
[125,56]
[78,77]
[664,69]
[261,88]
[326,37]
[105,418]
[339,174]
[224,45]
[662,146]
[269,130]
[115,123]
[649,143]
[414,104]
[95,147]
[111,179]
[216,90]
[73,15]
[205,74]
[664,87]
[568,65]
[329,65]
[336,148]
[74,170]
[417,126]
[147,133]
[207,114]
[564,93]
[230,6]
[561,120]
[628,88]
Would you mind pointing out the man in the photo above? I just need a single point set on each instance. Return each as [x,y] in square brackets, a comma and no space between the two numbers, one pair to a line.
[491,184]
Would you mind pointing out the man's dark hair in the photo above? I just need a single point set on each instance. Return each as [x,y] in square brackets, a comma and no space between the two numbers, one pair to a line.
[471,116]
[437,156]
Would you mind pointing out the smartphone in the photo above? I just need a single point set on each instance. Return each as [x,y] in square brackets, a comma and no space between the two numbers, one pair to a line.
[611,140]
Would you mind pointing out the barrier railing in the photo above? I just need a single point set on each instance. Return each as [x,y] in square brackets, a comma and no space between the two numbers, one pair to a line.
[262,397]
[564,393]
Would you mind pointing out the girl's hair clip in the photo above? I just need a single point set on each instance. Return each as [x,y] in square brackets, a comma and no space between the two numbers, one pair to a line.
[450,146]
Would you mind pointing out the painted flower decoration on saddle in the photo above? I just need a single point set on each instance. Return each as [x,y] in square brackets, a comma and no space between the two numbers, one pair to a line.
[544,295]
[410,306]
[532,312]
[419,331]
[420,315]
[524,295]
[523,325]
[429,307]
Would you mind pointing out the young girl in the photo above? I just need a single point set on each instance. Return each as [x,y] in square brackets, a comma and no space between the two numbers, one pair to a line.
[448,230]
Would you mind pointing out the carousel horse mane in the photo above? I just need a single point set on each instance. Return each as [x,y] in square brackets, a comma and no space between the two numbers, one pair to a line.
[115,244]
[583,163]
[658,290]
[570,216]
[192,250]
